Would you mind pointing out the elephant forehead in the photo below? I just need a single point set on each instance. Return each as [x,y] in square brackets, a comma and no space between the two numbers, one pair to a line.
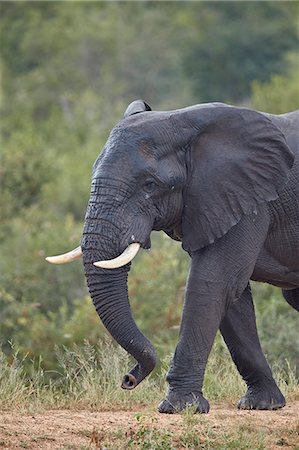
[151,129]
[124,142]
[128,146]
[125,162]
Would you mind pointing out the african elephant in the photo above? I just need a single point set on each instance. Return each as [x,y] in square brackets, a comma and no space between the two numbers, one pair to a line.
[224,181]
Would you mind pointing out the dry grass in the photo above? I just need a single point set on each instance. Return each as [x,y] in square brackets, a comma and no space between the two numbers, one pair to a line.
[89,378]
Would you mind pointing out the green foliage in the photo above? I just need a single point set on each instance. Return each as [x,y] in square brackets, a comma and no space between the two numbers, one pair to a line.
[38,332]
[26,169]
[281,94]
[235,43]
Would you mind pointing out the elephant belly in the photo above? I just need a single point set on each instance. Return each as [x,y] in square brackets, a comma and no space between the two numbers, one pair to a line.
[270,269]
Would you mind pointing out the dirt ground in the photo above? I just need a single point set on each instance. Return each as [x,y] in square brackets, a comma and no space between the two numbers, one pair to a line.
[63,429]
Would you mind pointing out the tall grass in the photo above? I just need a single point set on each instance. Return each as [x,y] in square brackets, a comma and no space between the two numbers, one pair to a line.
[89,377]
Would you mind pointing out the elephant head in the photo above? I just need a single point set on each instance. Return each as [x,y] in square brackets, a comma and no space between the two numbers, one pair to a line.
[192,173]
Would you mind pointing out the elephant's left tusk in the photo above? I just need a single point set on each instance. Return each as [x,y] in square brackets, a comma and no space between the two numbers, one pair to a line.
[128,254]
[66,257]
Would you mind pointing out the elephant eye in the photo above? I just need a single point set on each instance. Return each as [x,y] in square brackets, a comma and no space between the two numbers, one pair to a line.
[149,186]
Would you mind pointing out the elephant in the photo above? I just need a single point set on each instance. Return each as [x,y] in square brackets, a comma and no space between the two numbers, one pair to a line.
[223,180]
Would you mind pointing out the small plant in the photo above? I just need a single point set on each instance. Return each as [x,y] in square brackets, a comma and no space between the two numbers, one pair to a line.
[147,436]
[190,416]
[190,438]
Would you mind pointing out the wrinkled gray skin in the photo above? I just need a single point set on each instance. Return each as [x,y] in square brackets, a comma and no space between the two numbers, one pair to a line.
[225,182]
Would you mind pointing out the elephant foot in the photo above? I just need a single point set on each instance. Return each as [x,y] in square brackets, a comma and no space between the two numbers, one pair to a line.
[262,397]
[177,402]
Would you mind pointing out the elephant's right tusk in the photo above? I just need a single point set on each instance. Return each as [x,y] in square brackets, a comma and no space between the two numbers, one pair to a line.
[66,257]
[128,254]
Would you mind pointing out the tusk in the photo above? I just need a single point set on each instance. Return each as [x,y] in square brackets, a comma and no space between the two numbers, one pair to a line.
[128,254]
[66,257]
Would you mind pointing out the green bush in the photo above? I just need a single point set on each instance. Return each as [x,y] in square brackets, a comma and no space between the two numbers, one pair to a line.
[281,94]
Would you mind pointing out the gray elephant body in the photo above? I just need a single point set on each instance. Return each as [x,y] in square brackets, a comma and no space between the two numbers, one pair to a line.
[224,181]
[278,261]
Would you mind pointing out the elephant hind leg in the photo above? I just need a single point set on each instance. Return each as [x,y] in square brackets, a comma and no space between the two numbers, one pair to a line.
[292,297]
[239,331]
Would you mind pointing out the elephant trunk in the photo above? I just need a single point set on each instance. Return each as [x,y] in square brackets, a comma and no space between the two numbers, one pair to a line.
[109,293]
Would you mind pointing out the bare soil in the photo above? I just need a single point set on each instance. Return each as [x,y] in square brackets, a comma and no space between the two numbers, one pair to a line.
[69,429]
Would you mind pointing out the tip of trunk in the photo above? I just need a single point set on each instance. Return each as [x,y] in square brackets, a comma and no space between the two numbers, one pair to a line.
[129,382]
[140,371]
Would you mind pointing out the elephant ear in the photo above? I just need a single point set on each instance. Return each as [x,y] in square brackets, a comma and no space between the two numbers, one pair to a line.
[136,107]
[238,160]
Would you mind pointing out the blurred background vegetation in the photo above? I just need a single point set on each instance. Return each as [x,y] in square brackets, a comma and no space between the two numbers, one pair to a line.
[69,69]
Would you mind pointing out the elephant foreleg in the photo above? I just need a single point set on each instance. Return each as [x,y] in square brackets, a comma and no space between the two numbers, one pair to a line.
[239,331]
[203,310]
